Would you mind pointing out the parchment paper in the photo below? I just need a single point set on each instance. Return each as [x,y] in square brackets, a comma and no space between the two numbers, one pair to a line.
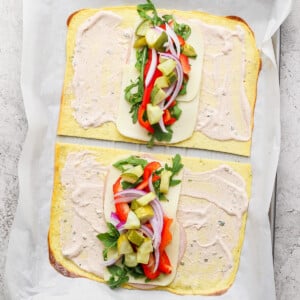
[29,274]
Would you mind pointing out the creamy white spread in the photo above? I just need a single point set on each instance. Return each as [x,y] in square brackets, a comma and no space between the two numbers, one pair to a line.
[83,180]
[224,110]
[210,209]
[101,50]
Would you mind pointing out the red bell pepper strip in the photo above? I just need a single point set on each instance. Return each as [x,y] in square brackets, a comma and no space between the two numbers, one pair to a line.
[145,101]
[166,235]
[167,118]
[122,209]
[148,171]
[184,60]
[149,268]
[181,40]
[164,264]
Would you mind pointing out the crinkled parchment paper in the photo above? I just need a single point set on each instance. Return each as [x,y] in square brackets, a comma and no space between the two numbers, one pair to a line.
[29,274]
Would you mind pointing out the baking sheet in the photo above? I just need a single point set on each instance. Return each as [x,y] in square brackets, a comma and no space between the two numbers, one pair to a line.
[28,272]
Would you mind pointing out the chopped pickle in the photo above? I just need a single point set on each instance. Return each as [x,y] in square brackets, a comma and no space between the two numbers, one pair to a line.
[142,257]
[165,181]
[123,245]
[133,174]
[188,50]
[143,27]
[144,213]
[156,39]
[146,247]
[134,204]
[167,66]
[140,42]
[154,113]
[131,260]
[133,222]
[161,82]
[171,78]
[135,237]
[146,199]
[157,95]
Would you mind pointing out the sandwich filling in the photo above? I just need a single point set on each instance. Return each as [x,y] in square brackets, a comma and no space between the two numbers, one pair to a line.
[161,77]
[122,222]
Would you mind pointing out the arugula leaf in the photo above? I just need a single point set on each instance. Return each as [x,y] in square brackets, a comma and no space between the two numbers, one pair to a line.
[134,92]
[183,30]
[175,169]
[109,238]
[159,135]
[167,18]
[131,160]
[148,11]
[118,276]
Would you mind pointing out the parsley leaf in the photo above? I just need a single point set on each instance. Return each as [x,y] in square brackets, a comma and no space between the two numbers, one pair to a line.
[131,160]
[136,272]
[118,276]
[109,238]
[159,135]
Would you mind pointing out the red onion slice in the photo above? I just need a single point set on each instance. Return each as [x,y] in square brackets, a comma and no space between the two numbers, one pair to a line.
[130,193]
[120,226]
[125,199]
[177,88]
[162,125]
[110,262]
[174,37]
[157,257]
[147,231]
[152,68]
[114,218]
[179,72]
[157,222]
[150,184]
[170,90]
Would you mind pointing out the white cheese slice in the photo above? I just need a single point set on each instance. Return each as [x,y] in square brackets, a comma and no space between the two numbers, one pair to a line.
[169,207]
[184,127]
[195,75]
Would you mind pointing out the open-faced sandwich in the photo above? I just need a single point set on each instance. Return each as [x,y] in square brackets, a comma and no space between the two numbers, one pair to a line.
[148,221]
[182,78]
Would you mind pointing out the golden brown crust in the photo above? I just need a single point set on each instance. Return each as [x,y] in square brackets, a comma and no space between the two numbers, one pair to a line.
[72,15]
[57,266]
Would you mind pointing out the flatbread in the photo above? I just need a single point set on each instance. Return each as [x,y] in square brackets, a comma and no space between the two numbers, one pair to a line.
[208,132]
[214,195]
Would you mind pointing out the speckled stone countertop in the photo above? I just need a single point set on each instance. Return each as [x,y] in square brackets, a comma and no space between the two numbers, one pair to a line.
[13,127]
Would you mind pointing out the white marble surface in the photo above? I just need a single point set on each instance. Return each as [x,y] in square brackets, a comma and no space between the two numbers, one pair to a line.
[13,128]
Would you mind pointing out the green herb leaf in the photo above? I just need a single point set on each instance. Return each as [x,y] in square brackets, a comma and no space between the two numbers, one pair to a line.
[175,111]
[148,11]
[131,160]
[183,30]
[109,238]
[183,89]
[167,18]
[175,169]
[159,135]
[118,276]
[136,272]
[134,91]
